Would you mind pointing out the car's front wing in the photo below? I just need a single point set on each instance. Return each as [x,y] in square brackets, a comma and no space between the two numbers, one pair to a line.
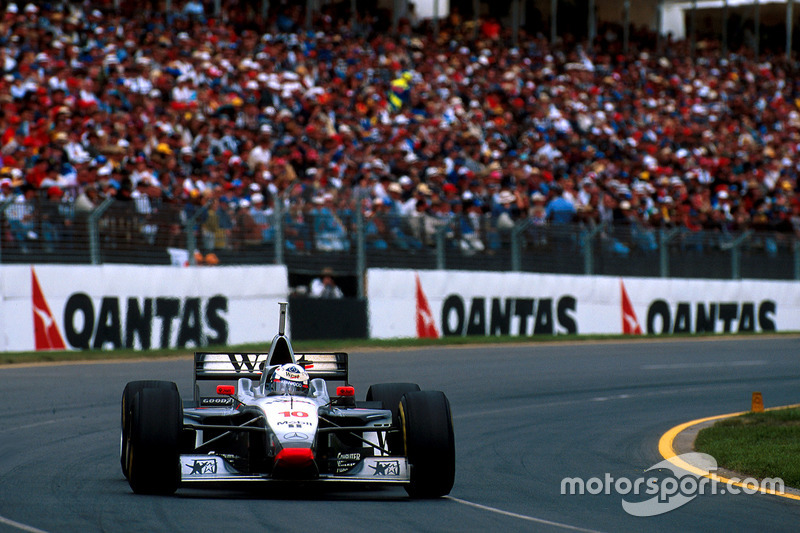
[213,468]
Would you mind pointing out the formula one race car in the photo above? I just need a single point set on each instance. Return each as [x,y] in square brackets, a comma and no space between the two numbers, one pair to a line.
[282,416]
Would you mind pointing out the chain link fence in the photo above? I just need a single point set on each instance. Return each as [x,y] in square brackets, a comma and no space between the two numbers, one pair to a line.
[150,231]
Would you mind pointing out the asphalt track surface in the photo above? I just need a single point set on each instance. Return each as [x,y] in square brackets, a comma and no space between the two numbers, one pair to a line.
[525,418]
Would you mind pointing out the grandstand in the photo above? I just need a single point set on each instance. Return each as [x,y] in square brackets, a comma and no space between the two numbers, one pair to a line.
[476,135]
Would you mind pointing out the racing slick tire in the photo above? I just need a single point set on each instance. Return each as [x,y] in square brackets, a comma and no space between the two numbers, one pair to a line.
[427,431]
[389,395]
[127,399]
[155,423]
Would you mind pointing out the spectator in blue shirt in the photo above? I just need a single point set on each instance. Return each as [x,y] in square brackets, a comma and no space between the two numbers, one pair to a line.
[559,210]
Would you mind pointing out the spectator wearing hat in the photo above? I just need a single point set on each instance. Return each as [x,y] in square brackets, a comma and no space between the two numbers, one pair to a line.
[325,286]
[8,185]
[261,153]
[246,232]
[330,233]
[376,231]
[422,222]
[407,202]
[215,229]
[470,228]
[184,96]
[262,216]
[55,225]
[21,215]
[503,212]
[143,173]
[537,214]
[400,206]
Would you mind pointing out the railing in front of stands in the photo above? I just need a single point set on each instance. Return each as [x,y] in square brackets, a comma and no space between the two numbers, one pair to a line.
[143,231]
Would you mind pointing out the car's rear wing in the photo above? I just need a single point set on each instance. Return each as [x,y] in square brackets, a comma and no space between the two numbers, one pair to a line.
[212,369]
[226,368]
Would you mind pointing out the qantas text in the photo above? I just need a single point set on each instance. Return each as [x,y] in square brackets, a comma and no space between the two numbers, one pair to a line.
[711,317]
[510,316]
[198,322]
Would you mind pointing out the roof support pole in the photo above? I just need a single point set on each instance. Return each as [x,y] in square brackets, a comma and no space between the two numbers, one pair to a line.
[757,28]
[693,29]
[725,27]
[626,26]
[789,27]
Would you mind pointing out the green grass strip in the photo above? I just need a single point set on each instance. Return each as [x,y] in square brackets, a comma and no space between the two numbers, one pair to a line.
[11,358]
[757,444]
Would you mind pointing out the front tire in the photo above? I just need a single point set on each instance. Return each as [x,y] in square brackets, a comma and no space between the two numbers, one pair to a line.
[128,393]
[427,429]
[389,395]
[153,456]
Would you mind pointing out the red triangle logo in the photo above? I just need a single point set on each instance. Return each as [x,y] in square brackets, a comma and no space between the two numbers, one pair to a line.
[630,324]
[45,330]
[426,327]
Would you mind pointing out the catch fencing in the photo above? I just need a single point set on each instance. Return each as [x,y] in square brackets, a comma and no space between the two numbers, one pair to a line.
[308,239]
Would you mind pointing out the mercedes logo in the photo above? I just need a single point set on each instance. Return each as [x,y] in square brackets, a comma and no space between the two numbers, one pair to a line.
[296,436]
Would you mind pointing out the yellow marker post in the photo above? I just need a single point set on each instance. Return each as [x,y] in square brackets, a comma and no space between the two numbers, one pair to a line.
[758,403]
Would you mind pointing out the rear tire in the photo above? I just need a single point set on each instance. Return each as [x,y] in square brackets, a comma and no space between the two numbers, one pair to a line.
[389,395]
[127,400]
[155,423]
[427,431]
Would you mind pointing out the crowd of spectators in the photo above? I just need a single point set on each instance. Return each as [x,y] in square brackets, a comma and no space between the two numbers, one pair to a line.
[218,120]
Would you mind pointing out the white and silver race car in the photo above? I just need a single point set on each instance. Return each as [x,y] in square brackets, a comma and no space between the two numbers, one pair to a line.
[237,429]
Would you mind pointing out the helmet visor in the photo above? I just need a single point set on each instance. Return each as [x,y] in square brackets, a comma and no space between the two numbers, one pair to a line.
[283,386]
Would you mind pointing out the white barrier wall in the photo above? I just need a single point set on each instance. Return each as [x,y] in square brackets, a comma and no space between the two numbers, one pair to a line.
[108,306]
[148,307]
[523,304]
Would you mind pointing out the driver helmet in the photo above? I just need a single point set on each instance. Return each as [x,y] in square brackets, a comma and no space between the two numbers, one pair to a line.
[290,378]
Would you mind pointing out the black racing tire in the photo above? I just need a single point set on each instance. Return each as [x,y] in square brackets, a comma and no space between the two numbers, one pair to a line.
[155,423]
[389,395]
[128,393]
[427,429]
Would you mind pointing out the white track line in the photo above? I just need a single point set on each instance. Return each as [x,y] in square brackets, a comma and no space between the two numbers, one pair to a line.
[710,364]
[19,526]
[28,426]
[522,516]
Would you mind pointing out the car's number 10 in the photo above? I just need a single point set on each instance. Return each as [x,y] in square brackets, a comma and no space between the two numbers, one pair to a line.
[297,414]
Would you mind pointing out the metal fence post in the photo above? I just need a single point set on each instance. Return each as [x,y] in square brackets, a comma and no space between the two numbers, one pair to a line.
[361,249]
[440,246]
[736,254]
[279,220]
[278,214]
[586,239]
[664,237]
[3,206]
[796,259]
[516,244]
[191,236]
[94,233]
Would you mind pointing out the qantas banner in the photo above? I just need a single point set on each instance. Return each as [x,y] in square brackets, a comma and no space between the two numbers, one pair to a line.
[142,307]
[405,303]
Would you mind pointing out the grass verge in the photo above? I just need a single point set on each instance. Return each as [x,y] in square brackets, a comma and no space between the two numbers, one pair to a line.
[11,358]
[759,444]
